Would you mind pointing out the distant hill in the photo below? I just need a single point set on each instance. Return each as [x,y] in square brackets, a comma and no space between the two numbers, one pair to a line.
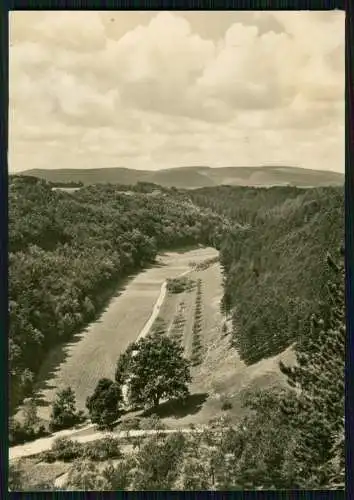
[195,177]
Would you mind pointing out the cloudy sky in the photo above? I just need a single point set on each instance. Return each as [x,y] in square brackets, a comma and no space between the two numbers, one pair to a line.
[154,90]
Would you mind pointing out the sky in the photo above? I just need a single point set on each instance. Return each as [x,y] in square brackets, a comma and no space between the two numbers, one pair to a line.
[152,90]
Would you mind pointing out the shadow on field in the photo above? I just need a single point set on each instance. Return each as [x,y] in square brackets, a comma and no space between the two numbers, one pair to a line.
[183,249]
[179,408]
[59,353]
[40,401]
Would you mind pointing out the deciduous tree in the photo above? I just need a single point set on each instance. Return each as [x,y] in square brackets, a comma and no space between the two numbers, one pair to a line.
[158,370]
[64,412]
[104,404]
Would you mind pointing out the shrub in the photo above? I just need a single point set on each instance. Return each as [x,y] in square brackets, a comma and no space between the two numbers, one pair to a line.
[226,405]
[104,404]
[102,449]
[65,449]
[19,433]
[152,422]
[130,424]
[64,413]
[179,285]
[48,456]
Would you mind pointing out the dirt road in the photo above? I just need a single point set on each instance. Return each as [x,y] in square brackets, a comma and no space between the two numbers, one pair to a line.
[43,444]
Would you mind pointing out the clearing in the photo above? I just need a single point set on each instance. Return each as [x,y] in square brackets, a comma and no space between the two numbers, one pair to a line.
[92,354]
[219,376]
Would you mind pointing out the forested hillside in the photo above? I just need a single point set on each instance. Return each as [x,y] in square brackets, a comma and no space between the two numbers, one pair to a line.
[191,177]
[273,264]
[68,250]
[284,285]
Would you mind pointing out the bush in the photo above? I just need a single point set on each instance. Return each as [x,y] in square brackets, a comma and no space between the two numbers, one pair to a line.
[102,449]
[179,285]
[48,456]
[152,422]
[104,404]
[66,450]
[64,413]
[197,328]
[130,424]
[19,434]
[226,405]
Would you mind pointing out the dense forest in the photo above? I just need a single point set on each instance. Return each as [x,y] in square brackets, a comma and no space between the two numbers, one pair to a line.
[283,285]
[67,251]
[273,261]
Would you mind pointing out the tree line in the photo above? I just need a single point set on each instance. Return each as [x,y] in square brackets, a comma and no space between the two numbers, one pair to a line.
[273,260]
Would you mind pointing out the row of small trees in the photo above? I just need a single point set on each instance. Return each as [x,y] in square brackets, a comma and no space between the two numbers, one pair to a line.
[197,326]
[179,285]
[178,324]
[201,266]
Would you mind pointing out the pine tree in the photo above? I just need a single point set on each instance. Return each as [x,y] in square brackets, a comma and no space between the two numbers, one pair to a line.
[64,413]
[105,403]
[318,410]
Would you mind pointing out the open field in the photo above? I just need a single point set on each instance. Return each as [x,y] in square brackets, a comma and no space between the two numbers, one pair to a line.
[93,353]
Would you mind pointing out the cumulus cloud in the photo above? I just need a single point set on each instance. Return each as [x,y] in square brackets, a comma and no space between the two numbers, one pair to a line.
[80,33]
[166,89]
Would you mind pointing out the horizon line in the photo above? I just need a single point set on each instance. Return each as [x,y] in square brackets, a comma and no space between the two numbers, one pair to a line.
[172,168]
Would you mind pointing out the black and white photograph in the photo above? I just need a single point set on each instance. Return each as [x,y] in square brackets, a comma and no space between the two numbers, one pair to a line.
[176,250]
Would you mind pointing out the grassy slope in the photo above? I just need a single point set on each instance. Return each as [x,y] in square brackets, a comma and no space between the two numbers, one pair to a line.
[222,374]
[37,473]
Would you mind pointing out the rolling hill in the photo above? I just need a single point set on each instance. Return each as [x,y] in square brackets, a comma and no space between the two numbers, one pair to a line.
[195,177]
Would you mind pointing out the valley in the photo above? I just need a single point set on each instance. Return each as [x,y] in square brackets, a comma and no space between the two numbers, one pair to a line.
[215,288]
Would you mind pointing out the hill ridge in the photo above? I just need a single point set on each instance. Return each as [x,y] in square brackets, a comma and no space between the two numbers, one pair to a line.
[195,177]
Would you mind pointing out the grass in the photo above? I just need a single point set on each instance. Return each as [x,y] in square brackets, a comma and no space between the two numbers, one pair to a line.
[36,474]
